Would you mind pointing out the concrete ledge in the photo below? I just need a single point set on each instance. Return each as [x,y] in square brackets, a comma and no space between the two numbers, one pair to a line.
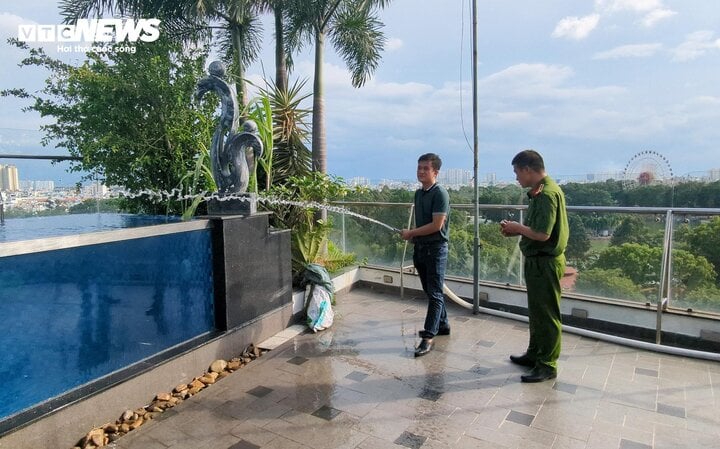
[66,425]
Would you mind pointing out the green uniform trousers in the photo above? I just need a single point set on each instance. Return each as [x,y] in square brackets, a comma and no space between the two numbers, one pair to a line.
[542,278]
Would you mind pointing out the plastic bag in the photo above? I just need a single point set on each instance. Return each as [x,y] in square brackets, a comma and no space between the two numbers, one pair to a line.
[319,309]
[315,274]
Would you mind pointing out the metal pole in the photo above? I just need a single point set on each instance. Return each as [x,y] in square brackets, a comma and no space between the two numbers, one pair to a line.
[476,238]
[665,276]
[402,261]
[343,233]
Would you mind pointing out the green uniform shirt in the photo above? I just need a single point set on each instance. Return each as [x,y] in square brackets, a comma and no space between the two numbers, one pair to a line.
[432,201]
[547,214]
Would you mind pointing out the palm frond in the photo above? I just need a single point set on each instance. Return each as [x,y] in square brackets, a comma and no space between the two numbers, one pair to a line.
[358,38]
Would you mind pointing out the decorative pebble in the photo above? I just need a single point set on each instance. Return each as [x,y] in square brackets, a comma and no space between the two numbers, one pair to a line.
[130,420]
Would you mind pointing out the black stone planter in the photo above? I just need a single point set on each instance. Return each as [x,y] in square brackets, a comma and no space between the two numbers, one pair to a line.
[252,268]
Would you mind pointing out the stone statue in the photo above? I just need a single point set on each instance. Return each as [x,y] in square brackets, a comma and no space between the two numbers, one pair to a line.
[232,154]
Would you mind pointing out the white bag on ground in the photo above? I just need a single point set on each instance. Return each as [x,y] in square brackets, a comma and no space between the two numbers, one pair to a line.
[319,310]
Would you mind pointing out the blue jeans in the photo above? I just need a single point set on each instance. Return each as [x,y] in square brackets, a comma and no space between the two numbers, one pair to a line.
[430,260]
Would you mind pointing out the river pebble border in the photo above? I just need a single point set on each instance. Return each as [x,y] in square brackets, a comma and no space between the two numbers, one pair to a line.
[132,419]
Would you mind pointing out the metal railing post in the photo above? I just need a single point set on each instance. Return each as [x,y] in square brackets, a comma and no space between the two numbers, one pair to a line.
[343,232]
[521,268]
[402,261]
[664,288]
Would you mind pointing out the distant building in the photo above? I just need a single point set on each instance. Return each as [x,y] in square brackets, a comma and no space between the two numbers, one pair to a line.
[96,190]
[454,177]
[714,174]
[9,178]
[359,181]
[37,186]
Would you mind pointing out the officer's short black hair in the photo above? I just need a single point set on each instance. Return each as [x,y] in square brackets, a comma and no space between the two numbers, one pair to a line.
[529,159]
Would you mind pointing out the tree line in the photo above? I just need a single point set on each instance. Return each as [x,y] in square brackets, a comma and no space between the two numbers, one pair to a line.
[616,255]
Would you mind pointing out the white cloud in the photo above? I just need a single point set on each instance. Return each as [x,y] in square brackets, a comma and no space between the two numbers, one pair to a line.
[628,5]
[696,45]
[542,99]
[652,12]
[9,23]
[576,27]
[540,82]
[393,44]
[629,51]
[525,77]
[656,16]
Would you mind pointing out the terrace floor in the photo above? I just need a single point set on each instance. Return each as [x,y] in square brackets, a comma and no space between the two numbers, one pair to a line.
[357,385]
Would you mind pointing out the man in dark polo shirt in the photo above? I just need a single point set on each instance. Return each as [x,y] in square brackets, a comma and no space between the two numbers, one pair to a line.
[543,240]
[430,236]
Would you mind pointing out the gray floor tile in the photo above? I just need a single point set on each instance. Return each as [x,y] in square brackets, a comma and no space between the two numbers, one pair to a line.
[336,390]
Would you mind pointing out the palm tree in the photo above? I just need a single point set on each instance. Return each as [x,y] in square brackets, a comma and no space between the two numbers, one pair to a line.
[278,9]
[355,33]
[239,34]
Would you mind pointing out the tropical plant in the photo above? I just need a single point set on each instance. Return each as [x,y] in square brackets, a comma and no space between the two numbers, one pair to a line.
[233,24]
[291,156]
[294,204]
[128,116]
[278,8]
[260,111]
[194,181]
[355,32]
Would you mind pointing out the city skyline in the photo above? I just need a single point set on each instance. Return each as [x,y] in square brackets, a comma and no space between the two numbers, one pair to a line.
[588,84]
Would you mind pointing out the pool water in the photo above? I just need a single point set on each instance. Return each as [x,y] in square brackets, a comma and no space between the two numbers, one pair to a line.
[74,315]
[15,229]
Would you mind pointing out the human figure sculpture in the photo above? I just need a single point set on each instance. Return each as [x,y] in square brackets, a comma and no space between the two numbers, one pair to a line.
[232,154]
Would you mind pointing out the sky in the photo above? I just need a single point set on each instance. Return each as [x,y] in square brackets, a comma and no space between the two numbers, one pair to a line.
[590,84]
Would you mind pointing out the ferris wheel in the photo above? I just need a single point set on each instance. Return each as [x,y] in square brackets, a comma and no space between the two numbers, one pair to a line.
[647,168]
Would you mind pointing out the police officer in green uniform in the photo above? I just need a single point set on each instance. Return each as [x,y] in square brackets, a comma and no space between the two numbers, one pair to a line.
[544,236]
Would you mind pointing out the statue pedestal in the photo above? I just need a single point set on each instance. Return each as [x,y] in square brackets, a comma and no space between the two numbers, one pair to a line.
[252,269]
[238,204]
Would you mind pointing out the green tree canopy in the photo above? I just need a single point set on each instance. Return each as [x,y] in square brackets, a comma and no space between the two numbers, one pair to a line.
[587,195]
[641,264]
[633,229]
[128,116]
[608,283]
[578,241]
[704,240]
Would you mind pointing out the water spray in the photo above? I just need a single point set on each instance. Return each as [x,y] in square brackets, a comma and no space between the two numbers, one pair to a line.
[177,194]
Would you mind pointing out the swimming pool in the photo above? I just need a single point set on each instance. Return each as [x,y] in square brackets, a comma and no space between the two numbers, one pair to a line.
[95,303]
[15,229]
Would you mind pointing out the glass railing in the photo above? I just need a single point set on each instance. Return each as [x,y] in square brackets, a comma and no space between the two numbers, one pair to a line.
[650,256]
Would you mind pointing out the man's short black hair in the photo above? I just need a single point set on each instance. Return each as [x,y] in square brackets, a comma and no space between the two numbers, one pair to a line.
[529,159]
[434,159]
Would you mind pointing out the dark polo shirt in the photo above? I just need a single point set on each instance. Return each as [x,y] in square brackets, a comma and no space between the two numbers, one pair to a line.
[432,201]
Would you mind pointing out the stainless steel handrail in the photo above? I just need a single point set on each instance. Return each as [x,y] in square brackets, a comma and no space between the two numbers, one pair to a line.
[665,283]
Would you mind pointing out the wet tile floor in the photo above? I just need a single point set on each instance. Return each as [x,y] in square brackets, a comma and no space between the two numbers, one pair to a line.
[358,385]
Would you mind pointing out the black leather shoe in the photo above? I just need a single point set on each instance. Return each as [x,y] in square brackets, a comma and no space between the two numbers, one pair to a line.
[540,373]
[522,360]
[424,347]
[440,332]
